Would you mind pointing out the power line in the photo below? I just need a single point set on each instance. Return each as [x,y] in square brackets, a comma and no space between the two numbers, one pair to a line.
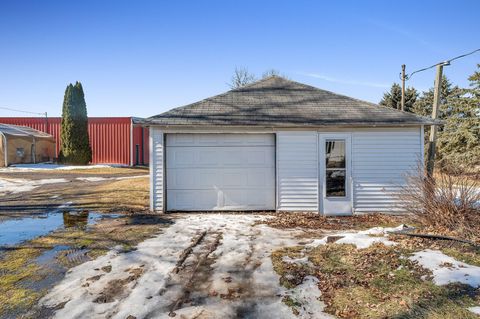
[408,76]
[21,111]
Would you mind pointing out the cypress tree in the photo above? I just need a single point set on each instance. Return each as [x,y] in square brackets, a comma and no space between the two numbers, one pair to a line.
[75,148]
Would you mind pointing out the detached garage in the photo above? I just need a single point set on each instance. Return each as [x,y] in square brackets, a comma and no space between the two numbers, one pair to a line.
[281,145]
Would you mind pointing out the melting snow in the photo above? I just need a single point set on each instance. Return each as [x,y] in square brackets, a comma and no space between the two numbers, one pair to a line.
[47,166]
[242,264]
[92,179]
[446,269]
[362,239]
[15,186]
[308,294]
[475,310]
[99,179]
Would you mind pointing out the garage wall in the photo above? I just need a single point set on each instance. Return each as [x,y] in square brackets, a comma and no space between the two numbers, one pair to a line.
[297,171]
[157,170]
[381,159]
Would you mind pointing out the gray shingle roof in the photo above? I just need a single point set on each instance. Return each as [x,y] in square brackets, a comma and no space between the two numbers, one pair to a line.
[25,131]
[278,102]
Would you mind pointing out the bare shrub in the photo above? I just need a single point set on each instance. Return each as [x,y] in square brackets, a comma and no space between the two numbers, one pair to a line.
[446,201]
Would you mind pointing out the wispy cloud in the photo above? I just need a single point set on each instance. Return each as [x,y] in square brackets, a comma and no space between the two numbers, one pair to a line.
[405,33]
[343,81]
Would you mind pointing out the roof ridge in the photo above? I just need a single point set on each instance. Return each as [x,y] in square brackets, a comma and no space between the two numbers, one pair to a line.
[221,94]
[265,96]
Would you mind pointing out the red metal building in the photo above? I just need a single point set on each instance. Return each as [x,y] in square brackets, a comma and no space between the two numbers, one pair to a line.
[114,140]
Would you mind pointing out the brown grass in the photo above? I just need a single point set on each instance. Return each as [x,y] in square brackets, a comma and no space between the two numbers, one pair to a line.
[447,203]
[124,195]
[316,221]
[376,282]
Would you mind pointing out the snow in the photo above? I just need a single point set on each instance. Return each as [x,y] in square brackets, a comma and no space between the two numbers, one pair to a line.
[475,310]
[10,185]
[362,239]
[308,295]
[47,166]
[446,269]
[100,179]
[92,179]
[302,261]
[242,265]
[18,185]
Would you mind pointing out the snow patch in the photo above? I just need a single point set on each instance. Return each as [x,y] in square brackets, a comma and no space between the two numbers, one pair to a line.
[475,310]
[302,260]
[446,269]
[100,179]
[15,186]
[362,239]
[92,179]
[47,166]
[308,294]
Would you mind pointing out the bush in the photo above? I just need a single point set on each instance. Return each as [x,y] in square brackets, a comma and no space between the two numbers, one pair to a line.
[447,201]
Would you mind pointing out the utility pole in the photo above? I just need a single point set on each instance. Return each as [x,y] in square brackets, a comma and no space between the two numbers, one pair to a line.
[433,128]
[403,87]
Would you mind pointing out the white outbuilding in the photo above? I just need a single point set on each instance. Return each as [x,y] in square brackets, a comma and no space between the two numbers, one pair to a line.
[281,145]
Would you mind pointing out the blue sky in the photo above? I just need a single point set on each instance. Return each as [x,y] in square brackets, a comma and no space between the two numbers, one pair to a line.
[141,58]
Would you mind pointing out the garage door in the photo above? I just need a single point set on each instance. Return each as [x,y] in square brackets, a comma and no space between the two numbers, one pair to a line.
[220,172]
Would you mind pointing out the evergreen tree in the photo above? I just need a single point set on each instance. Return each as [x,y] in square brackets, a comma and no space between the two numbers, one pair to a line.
[75,148]
[475,82]
[393,98]
[423,105]
[458,142]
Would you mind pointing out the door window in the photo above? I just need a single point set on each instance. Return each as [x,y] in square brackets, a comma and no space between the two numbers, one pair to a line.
[335,168]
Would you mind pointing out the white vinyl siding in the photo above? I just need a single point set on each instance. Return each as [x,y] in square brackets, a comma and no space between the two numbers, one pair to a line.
[156,170]
[297,171]
[381,160]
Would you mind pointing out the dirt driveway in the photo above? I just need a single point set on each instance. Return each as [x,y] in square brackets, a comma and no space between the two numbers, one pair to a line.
[203,266]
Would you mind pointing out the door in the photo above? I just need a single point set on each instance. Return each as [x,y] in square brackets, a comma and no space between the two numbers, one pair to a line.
[220,172]
[137,154]
[335,174]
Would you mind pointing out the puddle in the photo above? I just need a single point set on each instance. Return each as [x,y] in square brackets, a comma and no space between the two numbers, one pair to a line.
[15,231]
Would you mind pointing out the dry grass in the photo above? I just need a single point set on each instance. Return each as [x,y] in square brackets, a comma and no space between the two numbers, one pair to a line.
[446,203]
[377,282]
[127,195]
[316,221]
[124,195]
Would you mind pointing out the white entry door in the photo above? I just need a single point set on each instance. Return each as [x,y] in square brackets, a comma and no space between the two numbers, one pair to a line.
[220,172]
[335,174]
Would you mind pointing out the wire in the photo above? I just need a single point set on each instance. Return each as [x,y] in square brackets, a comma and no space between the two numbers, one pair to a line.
[21,111]
[408,76]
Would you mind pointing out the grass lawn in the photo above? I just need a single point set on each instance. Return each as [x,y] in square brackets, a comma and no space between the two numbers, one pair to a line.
[378,282]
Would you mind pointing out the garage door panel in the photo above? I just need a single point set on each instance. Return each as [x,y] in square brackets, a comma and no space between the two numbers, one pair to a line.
[220,171]
[202,140]
[232,199]
[191,200]
[213,178]
[219,157]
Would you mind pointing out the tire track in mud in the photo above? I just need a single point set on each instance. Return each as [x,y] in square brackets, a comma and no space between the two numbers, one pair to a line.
[192,270]
[197,276]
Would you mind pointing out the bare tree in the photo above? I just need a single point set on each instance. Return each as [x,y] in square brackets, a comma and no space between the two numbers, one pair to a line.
[273,72]
[241,77]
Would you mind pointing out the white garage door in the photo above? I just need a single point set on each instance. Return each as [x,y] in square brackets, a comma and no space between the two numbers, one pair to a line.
[220,172]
